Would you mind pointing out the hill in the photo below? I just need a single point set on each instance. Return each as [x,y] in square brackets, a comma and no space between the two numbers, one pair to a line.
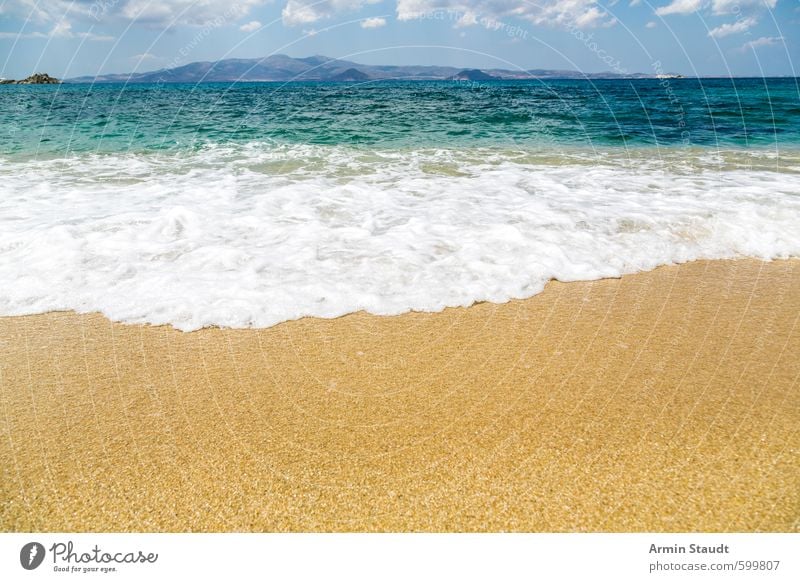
[321,68]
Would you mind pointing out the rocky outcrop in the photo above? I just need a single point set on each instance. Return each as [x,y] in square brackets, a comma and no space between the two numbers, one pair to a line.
[36,79]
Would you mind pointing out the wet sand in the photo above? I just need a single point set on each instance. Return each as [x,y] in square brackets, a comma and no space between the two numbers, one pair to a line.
[662,401]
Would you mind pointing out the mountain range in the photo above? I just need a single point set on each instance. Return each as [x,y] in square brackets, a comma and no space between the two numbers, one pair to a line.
[321,68]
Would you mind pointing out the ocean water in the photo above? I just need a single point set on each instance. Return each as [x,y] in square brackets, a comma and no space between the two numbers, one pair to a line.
[251,204]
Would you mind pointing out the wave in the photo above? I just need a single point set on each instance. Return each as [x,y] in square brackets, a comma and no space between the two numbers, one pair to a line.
[257,234]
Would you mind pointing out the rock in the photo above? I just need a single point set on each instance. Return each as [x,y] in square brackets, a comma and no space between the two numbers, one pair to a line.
[37,79]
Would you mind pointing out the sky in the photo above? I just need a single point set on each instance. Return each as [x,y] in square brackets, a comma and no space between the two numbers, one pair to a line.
[68,38]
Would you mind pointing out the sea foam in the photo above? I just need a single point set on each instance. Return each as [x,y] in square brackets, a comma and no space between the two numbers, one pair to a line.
[253,235]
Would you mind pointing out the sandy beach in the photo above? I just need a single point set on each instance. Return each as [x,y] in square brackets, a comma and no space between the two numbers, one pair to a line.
[662,401]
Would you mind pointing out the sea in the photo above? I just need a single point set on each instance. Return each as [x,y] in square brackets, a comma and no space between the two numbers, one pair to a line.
[249,204]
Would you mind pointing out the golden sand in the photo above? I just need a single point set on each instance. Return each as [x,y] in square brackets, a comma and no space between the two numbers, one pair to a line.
[663,401]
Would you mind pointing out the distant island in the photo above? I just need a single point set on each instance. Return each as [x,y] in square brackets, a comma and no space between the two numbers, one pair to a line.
[350,75]
[473,75]
[36,79]
[284,68]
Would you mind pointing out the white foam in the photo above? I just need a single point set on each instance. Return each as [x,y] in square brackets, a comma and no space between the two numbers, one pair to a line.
[257,235]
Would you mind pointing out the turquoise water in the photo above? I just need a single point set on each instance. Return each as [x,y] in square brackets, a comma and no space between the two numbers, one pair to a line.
[251,204]
[58,120]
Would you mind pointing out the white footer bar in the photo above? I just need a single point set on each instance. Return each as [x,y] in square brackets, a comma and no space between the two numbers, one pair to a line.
[401,557]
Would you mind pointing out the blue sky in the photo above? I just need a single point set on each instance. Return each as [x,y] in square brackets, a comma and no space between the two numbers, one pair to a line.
[694,37]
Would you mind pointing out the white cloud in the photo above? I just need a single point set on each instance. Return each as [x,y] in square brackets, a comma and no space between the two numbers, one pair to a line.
[721,7]
[569,13]
[251,26]
[306,11]
[163,13]
[61,30]
[650,24]
[759,42]
[680,7]
[17,35]
[152,12]
[373,22]
[469,18]
[718,7]
[145,57]
[634,3]
[733,28]
[586,18]
[191,12]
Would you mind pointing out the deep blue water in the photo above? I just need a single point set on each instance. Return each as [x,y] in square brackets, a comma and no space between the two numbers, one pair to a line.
[66,119]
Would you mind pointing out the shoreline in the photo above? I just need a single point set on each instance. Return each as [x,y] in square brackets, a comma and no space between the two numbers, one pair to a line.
[661,401]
